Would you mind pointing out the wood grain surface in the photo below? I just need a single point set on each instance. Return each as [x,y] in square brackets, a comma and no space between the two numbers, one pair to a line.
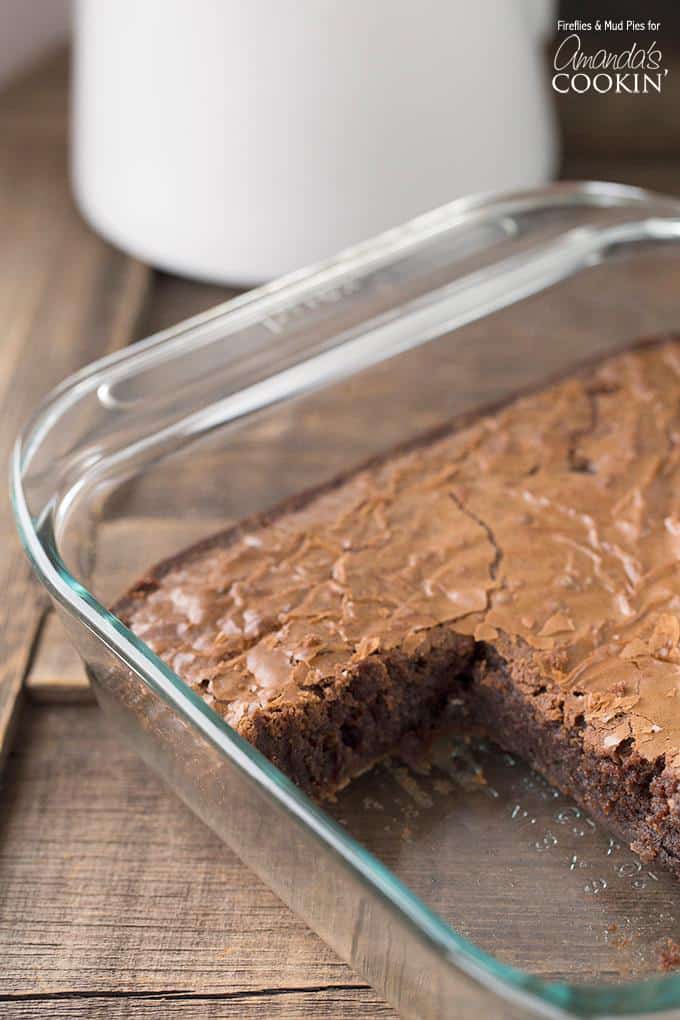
[56,673]
[116,901]
[65,298]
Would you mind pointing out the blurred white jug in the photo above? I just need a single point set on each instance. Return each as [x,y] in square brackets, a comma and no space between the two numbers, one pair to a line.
[234,140]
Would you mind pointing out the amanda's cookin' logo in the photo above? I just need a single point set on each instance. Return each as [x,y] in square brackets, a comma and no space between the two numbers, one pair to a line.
[635,70]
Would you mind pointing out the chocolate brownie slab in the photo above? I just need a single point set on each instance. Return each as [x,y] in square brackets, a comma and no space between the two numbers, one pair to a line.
[523,566]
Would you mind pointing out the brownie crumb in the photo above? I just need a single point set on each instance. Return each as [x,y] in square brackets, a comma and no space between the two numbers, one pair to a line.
[669,957]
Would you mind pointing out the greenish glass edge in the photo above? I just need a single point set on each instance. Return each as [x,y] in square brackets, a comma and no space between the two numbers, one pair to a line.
[652,995]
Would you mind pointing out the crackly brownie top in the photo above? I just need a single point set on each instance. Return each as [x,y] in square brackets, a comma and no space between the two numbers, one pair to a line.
[552,526]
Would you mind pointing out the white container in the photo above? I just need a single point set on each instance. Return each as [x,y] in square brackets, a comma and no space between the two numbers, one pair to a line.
[235,140]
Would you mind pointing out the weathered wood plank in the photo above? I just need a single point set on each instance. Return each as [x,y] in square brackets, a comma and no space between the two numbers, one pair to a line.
[56,673]
[65,298]
[656,174]
[173,299]
[114,898]
[351,1002]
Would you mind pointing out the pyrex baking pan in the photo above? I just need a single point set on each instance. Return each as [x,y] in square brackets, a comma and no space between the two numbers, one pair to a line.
[473,889]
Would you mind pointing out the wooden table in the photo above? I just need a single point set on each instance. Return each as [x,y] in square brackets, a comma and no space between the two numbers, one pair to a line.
[114,900]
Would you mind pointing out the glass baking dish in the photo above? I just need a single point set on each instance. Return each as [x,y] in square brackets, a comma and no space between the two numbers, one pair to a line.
[471,888]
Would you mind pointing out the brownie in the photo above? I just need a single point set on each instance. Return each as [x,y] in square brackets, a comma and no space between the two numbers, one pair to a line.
[519,572]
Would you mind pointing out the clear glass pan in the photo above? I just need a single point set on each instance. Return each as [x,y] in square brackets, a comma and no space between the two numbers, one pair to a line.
[472,889]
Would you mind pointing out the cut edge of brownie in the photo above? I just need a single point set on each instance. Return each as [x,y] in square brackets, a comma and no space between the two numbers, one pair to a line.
[343,726]
[630,795]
